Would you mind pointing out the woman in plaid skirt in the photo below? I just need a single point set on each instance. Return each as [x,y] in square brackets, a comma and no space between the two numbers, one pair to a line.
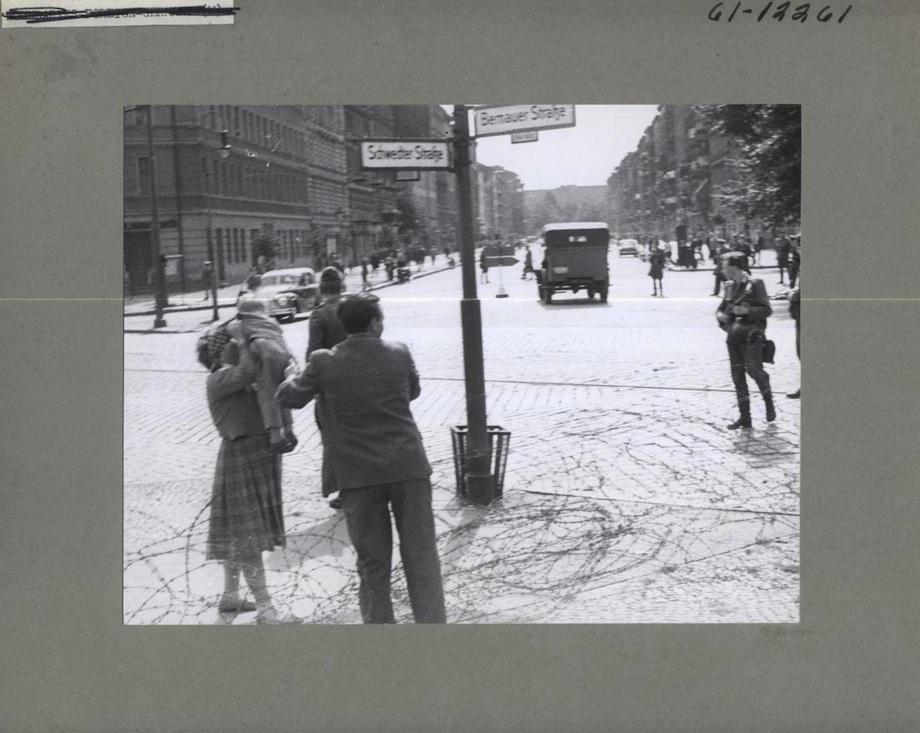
[246,508]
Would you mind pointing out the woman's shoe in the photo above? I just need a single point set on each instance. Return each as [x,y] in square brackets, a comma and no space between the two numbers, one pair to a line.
[270,616]
[741,422]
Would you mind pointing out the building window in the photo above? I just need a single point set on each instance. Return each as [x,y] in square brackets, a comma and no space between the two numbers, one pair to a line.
[243,243]
[143,175]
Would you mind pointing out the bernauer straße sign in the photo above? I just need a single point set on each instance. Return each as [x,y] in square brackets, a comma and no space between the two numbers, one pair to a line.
[519,117]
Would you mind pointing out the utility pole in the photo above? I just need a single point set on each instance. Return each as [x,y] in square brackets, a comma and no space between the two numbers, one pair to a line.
[159,321]
[480,486]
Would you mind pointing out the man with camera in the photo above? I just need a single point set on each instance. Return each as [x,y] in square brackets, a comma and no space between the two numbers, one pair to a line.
[743,314]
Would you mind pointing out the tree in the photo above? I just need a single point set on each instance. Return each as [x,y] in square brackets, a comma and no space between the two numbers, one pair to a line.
[409,220]
[770,162]
[267,247]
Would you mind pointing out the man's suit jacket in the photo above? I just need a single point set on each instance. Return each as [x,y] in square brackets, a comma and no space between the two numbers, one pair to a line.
[363,387]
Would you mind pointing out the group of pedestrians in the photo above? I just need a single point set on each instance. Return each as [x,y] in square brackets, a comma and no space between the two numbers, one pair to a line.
[373,454]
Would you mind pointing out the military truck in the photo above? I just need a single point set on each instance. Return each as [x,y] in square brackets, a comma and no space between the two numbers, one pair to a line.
[574,259]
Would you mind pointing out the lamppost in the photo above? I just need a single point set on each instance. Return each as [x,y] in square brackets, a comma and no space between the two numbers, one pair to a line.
[479,480]
[207,183]
[160,276]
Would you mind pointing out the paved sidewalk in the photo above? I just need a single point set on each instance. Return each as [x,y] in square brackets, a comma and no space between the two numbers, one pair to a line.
[145,305]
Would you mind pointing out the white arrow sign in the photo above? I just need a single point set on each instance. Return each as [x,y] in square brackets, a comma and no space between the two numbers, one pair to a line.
[520,117]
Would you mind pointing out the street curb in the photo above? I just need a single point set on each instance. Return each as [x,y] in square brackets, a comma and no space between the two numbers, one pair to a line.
[192,308]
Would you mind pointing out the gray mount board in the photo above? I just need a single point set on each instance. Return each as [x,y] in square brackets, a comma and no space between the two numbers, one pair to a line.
[851,664]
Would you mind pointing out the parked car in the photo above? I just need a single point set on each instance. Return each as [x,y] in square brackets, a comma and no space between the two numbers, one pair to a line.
[575,258]
[628,247]
[289,291]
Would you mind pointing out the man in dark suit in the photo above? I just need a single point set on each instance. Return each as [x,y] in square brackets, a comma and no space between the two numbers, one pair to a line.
[373,452]
[743,314]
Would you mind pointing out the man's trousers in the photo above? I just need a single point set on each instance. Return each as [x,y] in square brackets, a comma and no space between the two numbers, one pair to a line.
[367,515]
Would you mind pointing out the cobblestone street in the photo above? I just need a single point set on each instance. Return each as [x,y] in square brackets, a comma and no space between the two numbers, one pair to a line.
[625,500]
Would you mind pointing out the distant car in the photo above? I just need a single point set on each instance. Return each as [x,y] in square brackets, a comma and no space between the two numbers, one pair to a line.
[289,291]
[628,247]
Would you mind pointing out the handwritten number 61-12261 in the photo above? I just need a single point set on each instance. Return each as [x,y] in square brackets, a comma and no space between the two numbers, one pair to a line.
[723,11]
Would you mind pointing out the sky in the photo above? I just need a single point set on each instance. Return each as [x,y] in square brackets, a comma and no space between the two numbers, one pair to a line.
[584,155]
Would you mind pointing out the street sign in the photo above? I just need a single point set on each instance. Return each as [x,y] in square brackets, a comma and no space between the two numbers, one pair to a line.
[521,117]
[505,261]
[409,154]
[524,137]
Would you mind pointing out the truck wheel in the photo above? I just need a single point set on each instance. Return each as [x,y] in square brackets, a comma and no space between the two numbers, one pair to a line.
[590,294]
[603,292]
[546,295]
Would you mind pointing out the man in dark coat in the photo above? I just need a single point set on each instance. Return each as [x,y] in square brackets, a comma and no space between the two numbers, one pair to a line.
[782,256]
[795,260]
[743,314]
[375,455]
[720,249]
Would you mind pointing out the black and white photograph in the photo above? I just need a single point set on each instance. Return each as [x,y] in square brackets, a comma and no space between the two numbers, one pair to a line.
[467,364]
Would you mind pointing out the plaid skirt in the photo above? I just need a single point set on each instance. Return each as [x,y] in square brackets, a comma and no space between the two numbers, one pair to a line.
[246,509]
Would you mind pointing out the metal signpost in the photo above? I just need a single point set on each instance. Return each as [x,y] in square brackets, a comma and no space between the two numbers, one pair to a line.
[428,154]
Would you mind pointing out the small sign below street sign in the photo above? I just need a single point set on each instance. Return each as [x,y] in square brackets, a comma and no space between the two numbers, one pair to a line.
[524,137]
[521,117]
[417,154]
[401,175]
[505,261]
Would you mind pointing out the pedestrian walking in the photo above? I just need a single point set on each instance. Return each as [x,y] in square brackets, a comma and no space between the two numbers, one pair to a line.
[743,314]
[528,265]
[719,250]
[206,275]
[483,266]
[365,284]
[246,510]
[782,256]
[758,249]
[657,260]
[795,259]
[375,456]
